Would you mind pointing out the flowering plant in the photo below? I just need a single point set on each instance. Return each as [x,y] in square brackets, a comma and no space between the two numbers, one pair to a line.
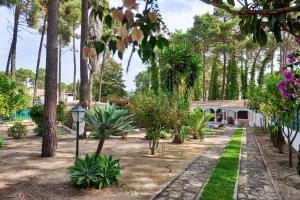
[290,86]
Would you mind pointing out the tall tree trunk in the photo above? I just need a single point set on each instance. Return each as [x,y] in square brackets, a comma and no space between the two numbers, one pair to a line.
[8,61]
[75,67]
[224,75]
[84,79]
[37,71]
[203,76]
[14,41]
[49,144]
[101,75]
[59,71]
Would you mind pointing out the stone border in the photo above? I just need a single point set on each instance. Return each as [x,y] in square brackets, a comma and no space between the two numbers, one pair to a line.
[174,178]
[236,187]
[182,171]
[269,172]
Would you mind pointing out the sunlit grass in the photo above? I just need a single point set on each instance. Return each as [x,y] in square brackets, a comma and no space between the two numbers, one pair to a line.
[222,181]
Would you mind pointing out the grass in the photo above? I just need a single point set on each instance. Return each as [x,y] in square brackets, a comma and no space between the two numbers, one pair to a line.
[222,181]
[1,142]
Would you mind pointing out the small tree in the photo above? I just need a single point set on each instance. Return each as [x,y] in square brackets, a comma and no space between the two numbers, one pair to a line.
[13,96]
[232,88]
[153,112]
[107,121]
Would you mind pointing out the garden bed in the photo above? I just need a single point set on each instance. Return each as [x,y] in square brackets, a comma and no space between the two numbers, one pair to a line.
[25,175]
[287,182]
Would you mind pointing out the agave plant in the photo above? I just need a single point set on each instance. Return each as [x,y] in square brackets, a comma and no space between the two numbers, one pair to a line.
[107,121]
[95,171]
[198,122]
[84,172]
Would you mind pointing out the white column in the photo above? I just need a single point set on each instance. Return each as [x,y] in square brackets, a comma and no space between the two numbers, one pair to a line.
[215,116]
[235,117]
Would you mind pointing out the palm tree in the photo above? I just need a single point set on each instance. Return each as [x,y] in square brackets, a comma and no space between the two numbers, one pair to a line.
[179,73]
[198,121]
[49,138]
[107,121]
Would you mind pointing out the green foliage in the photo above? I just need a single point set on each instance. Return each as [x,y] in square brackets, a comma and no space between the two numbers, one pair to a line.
[232,87]
[37,111]
[36,114]
[222,181]
[244,81]
[184,132]
[23,74]
[140,27]
[13,96]
[265,19]
[113,86]
[163,135]
[61,113]
[180,69]
[95,172]
[154,75]
[214,86]
[1,142]
[17,131]
[142,81]
[152,112]
[198,122]
[109,120]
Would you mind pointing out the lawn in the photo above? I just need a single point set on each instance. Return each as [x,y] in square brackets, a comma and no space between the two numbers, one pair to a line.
[222,181]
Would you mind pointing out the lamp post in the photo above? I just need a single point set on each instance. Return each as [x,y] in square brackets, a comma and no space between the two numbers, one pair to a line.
[77,113]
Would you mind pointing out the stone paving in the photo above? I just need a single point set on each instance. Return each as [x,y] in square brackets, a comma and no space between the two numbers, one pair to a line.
[190,182]
[254,181]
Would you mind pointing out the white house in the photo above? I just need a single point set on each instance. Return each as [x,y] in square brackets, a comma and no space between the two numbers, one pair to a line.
[230,112]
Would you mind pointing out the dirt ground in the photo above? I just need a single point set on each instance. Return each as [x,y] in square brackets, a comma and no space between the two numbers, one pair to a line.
[286,180]
[25,175]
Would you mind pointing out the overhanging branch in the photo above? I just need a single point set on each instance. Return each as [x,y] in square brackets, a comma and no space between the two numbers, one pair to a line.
[263,12]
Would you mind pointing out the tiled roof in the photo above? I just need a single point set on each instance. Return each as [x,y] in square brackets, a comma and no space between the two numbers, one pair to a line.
[221,103]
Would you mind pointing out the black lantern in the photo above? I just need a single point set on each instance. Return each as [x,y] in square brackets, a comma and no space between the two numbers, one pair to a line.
[77,113]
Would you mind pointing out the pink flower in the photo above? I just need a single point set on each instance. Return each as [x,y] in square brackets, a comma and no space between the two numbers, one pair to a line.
[297,40]
[291,58]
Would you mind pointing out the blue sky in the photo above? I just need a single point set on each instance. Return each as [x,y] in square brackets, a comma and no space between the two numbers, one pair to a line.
[177,14]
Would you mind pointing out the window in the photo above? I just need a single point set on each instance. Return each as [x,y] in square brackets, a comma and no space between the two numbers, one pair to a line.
[242,115]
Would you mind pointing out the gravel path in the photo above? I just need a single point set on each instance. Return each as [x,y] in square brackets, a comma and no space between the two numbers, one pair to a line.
[190,182]
[254,181]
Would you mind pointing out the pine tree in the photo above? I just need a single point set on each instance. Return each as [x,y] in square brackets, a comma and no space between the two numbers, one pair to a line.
[214,91]
[232,88]
[154,75]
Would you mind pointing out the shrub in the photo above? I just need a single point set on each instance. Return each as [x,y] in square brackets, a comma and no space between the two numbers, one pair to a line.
[163,135]
[184,132]
[1,142]
[153,112]
[61,113]
[95,172]
[17,131]
[36,115]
